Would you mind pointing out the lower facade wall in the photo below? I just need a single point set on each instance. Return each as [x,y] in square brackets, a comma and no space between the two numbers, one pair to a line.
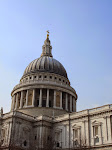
[95,148]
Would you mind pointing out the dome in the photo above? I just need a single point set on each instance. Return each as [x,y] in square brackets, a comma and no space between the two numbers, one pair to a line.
[44,88]
[46,64]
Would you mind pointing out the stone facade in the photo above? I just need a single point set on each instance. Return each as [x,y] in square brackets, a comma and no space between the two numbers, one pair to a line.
[43,112]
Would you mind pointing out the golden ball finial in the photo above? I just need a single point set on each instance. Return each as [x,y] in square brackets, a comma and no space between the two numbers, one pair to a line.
[47,34]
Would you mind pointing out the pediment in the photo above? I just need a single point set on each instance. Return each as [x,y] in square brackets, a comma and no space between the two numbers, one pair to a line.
[75,126]
[96,123]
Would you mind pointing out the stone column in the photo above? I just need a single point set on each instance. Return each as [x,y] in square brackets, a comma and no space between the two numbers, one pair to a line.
[105,129]
[54,104]
[67,136]
[13,102]
[74,105]
[70,103]
[27,98]
[61,100]
[16,101]
[92,135]
[21,100]
[10,127]
[101,140]
[33,98]
[109,129]
[84,122]
[40,99]
[66,102]
[47,102]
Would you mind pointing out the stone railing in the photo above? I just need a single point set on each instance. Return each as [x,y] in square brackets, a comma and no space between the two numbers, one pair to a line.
[37,82]
[82,113]
[105,107]
[78,114]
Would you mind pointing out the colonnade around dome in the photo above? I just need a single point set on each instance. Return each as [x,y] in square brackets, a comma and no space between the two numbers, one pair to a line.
[41,97]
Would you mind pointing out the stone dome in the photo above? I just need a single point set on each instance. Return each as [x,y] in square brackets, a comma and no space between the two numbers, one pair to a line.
[44,88]
[45,64]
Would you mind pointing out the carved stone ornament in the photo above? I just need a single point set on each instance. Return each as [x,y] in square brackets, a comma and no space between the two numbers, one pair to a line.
[26,129]
[76,127]
[96,123]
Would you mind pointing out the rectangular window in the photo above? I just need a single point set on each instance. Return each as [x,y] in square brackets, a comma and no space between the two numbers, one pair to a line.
[75,133]
[96,130]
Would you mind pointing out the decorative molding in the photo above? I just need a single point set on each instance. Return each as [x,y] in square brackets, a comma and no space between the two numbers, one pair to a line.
[76,127]
[96,123]
[26,129]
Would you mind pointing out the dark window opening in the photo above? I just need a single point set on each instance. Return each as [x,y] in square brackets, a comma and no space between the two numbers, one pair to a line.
[55,78]
[45,76]
[43,103]
[35,77]
[25,143]
[37,103]
[49,103]
[57,145]
[30,77]
[50,77]
[35,137]
[63,80]
[39,76]
[48,138]
[59,79]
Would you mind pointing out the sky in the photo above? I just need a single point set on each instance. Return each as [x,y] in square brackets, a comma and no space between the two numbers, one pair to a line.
[81,37]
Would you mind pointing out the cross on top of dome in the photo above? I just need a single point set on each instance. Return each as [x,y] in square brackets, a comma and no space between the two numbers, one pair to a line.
[47,48]
[47,34]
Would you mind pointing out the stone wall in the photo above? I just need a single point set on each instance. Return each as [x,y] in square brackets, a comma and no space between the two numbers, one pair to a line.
[34,111]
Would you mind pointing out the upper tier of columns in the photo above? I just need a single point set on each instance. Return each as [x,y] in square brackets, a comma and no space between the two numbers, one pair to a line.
[21,100]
